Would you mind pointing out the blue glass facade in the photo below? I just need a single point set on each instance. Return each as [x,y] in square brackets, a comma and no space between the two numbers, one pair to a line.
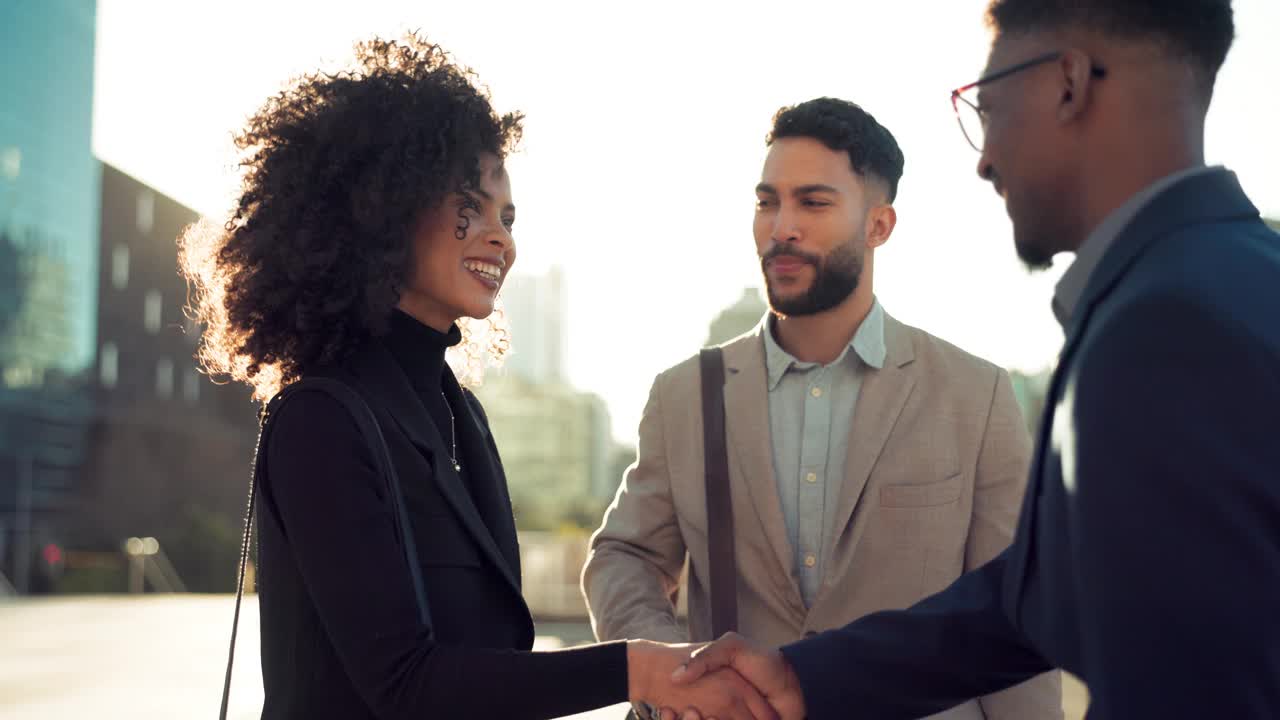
[49,194]
[50,190]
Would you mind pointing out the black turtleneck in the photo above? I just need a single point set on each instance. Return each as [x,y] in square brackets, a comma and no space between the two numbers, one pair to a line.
[419,350]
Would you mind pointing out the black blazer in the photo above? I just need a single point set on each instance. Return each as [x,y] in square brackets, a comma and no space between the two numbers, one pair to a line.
[341,633]
[1147,556]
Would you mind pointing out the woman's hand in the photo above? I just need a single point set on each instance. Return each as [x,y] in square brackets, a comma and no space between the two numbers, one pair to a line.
[719,695]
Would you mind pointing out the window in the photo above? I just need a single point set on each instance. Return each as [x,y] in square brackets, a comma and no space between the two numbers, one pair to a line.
[11,162]
[108,365]
[191,387]
[190,329]
[120,266]
[151,312]
[146,211]
[21,375]
[164,377]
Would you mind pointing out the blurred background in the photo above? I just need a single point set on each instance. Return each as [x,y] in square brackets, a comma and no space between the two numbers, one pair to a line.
[123,469]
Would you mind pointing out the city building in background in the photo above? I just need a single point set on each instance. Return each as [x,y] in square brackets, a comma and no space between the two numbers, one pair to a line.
[556,444]
[738,318]
[620,460]
[49,191]
[556,441]
[536,310]
[170,450]
[107,430]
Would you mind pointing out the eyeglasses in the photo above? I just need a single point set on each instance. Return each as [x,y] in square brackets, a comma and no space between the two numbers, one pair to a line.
[973,119]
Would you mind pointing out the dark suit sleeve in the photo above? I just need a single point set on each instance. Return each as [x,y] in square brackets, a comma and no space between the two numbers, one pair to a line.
[322,481]
[902,664]
[1175,513]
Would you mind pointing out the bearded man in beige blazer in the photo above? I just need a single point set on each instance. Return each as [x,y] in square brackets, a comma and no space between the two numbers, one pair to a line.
[870,463]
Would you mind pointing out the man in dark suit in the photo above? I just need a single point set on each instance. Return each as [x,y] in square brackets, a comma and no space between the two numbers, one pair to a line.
[1147,557]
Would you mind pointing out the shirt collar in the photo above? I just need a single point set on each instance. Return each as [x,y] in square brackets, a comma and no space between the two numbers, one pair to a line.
[868,345]
[1070,288]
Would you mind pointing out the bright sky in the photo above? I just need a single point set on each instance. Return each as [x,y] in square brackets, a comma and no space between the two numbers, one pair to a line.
[644,141]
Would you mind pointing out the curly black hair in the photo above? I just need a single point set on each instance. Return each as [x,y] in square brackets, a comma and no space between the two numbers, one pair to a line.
[1201,30]
[844,126]
[338,169]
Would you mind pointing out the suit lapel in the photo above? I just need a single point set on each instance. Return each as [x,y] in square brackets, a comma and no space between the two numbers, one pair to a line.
[1214,196]
[750,442]
[379,374]
[883,394]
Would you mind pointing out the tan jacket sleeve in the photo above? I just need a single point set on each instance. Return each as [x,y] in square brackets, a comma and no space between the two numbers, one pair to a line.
[633,569]
[1004,463]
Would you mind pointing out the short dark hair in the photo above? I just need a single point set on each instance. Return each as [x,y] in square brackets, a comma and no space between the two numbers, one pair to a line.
[844,126]
[1200,30]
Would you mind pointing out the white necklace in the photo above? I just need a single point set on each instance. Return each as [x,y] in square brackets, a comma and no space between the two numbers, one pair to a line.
[453,434]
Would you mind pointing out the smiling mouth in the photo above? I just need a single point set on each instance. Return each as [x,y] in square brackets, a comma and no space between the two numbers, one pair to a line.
[484,270]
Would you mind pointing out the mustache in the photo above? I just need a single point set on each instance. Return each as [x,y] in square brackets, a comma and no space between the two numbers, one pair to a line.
[787,251]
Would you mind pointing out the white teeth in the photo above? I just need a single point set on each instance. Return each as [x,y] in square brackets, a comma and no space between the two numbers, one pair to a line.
[483,269]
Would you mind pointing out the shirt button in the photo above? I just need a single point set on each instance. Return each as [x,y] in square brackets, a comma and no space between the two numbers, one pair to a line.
[816,392]
[810,561]
[811,477]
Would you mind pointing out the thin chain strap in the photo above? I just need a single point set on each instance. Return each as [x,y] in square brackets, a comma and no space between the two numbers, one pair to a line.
[453,434]
[244,562]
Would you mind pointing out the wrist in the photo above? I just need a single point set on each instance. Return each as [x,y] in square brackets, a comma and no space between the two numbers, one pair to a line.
[637,670]
[791,682]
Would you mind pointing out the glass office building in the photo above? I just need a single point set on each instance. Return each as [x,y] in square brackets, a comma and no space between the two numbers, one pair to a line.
[49,198]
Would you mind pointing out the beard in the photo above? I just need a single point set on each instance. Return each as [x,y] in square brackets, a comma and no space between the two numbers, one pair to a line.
[1045,222]
[1033,256]
[835,277]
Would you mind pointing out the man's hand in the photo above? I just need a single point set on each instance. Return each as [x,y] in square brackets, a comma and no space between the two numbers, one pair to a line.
[723,694]
[766,669]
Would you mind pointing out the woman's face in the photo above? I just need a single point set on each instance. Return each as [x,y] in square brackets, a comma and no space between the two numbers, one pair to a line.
[462,251]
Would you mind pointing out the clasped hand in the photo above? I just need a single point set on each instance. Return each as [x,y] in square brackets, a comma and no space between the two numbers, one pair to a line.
[729,679]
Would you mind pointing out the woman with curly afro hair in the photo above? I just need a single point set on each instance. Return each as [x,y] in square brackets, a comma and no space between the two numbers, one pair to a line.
[375,216]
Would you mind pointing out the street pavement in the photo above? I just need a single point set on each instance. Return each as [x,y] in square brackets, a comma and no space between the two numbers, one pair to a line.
[154,657]
[162,657]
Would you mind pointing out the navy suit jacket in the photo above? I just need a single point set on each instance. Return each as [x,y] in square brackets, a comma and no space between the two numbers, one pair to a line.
[1147,556]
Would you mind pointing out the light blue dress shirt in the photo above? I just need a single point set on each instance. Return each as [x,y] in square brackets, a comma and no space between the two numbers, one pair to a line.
[811,410]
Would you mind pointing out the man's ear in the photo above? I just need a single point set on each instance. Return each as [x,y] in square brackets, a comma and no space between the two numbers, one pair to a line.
[881,219]
[1075,76]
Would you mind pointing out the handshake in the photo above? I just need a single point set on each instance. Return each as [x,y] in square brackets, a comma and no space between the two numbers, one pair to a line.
[729,679]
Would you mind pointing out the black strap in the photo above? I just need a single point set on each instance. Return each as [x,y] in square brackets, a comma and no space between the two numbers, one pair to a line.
[368,424]
[724,570]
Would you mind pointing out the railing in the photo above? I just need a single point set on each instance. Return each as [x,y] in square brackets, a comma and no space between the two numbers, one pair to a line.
[148,562]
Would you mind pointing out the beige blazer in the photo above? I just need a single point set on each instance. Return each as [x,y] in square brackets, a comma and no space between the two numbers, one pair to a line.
[937,462]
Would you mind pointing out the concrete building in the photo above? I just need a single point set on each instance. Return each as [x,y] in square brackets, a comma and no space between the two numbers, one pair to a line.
[536,309]
[171,450]
[555,444]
